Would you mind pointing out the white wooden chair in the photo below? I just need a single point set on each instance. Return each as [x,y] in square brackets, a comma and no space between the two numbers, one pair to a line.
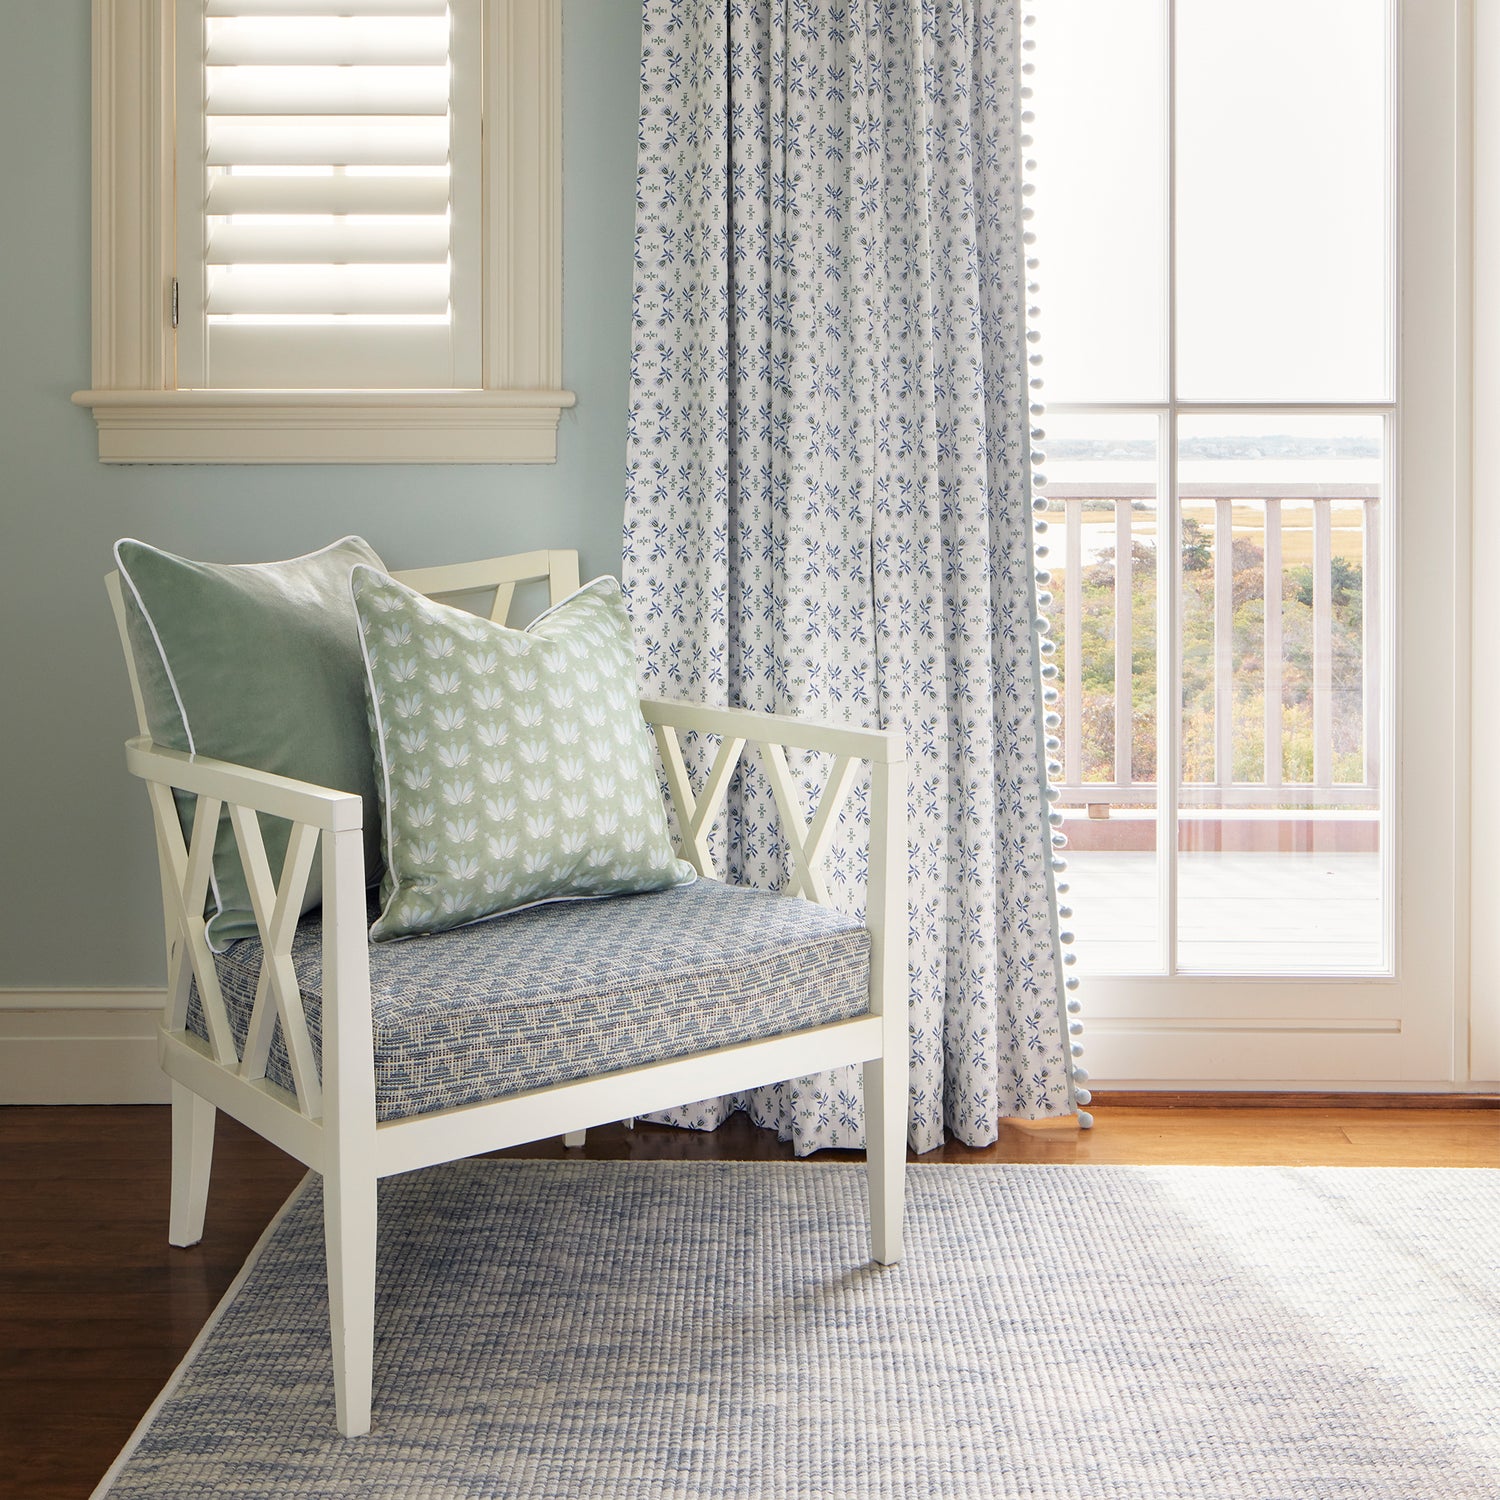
[329,1118]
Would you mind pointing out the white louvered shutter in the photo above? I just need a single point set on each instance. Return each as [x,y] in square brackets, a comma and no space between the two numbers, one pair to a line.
[328,181]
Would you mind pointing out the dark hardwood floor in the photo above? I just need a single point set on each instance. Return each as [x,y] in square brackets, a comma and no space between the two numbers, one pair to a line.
[96,1309]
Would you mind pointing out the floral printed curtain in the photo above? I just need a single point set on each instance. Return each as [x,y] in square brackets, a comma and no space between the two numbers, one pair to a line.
[828,509]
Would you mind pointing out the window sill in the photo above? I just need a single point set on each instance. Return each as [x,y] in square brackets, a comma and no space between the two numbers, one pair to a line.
[327,427]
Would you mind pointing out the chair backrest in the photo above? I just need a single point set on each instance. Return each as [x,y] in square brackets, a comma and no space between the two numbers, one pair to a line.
[558,569]
[497,576]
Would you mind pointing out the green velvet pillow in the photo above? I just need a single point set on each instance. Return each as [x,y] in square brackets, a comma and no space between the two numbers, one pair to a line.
[513,765]
[257,663]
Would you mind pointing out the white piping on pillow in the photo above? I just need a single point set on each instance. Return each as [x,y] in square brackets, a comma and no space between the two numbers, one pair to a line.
[187,727]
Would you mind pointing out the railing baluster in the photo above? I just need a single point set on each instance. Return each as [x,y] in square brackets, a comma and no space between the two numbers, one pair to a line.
[1224,642]
[1271,789]
[1124,646]
[1322,643]
[1370,629]
[1073,647]
[1272,762]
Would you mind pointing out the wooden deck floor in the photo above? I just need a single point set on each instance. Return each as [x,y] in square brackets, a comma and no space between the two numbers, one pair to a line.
[96,1309]
[1238,913]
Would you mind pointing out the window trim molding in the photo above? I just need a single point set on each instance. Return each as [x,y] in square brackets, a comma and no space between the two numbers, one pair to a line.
[141,415]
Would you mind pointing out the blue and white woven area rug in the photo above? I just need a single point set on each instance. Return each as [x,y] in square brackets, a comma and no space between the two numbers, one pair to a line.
[635,1329]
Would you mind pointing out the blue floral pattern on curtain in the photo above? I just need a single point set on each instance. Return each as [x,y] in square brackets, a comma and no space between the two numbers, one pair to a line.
[828,508]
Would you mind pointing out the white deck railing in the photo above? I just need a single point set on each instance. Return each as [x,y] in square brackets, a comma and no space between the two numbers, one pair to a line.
[1224,791]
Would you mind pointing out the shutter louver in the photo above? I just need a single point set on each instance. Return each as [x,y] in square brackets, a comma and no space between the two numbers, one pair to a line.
[329,217]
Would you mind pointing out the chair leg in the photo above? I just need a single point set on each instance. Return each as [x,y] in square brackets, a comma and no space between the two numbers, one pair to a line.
[349,1233]
[575,1138]
[885,1156]
[192,1162]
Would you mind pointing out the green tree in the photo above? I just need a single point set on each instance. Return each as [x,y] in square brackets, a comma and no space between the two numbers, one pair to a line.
[1197,550]
[1293,594]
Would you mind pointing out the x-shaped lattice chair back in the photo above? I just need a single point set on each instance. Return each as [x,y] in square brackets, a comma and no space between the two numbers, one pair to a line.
[276,906]
[187,866]
[808,841]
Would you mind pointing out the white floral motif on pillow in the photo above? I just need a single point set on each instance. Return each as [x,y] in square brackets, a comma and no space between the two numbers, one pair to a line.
[513,765]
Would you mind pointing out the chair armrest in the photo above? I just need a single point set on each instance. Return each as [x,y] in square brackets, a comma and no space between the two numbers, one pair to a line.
[878,746]
[343,1097]
[283,797]
[773,735]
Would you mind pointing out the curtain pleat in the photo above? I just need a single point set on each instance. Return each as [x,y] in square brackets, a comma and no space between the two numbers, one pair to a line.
[827,507]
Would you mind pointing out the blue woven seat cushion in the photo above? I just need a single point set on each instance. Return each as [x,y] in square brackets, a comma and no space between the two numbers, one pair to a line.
[576,989]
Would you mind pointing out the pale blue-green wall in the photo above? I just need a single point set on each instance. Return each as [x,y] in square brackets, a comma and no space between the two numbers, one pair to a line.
[78,891]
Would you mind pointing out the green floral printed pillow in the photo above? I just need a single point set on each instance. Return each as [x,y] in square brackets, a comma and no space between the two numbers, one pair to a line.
[513,765]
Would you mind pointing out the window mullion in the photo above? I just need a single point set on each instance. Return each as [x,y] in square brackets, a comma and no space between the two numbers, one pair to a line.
[1169,571]
[1226,408]
[190,333]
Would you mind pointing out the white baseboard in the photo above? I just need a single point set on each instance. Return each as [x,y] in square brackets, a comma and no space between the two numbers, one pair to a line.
[80,1047]
[99,1047]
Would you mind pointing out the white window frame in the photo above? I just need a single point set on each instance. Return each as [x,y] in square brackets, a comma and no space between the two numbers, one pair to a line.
[142,416]
[1408,1030]
[1478,425]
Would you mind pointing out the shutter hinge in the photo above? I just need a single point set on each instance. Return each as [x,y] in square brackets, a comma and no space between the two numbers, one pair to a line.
[174,302]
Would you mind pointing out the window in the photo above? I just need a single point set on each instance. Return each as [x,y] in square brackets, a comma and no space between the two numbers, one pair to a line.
[327,231]
[1220,407]
[326,223]
[1248,248]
